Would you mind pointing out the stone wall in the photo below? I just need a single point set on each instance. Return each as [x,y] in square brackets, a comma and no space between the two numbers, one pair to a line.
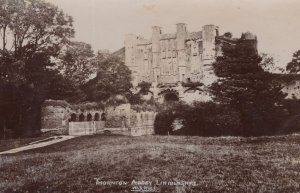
[55,118]
[57,114]
[141,123]
[60,117]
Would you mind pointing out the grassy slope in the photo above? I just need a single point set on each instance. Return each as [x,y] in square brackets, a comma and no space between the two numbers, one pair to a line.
[216,164]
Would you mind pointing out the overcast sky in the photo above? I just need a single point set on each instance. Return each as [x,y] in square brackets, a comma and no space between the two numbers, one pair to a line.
[104,23]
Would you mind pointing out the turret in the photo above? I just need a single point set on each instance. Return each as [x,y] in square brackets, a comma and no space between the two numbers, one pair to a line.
[209,33]
[156,32]
[130,56]
[250,40]
[130,48]
[181,35]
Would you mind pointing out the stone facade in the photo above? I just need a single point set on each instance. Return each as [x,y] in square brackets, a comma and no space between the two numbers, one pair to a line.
[168,60]
[61,117]
[56,115]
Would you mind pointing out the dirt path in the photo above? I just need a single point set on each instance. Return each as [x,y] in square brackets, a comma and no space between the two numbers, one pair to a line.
[39,143]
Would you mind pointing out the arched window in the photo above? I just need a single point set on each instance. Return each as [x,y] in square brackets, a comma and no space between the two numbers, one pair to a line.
[89,117]
[81,117]
[73,117]
[96,118]
[103,117]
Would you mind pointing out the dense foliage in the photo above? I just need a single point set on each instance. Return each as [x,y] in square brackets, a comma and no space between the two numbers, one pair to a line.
[247,88]
[200,119]
[294,65]
[113,78]
[32,32]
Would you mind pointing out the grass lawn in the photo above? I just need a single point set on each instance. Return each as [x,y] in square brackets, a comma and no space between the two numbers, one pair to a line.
[227,164]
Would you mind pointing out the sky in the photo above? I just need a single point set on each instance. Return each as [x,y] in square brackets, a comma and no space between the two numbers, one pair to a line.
[104,23]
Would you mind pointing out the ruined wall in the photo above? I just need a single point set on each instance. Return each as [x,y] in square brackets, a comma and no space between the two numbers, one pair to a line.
[55,117]
[141,123]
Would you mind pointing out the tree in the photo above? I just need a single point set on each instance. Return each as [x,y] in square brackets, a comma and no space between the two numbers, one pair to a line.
[246,87]
[144,87]
[113,78]
[268,63]
[33,33]
[76,62]
[294,65]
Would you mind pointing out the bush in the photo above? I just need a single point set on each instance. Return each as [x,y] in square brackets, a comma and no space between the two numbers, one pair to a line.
[163,123]
[210,119]
[200,119]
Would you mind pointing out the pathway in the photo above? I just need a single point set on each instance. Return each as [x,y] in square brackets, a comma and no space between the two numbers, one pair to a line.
[38,144]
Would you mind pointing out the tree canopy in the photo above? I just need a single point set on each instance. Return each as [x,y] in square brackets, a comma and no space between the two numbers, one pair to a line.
[246,87]
[32,34]
[112,78]
[294,65]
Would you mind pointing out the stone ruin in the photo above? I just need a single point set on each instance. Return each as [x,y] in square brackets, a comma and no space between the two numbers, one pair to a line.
[63,118]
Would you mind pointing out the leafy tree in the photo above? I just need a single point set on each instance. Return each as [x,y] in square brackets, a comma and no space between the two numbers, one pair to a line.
[268,64]
[144,87]
[33,32]
[113,78]
[294,65]
[246,87]
[76,62]
[210,119]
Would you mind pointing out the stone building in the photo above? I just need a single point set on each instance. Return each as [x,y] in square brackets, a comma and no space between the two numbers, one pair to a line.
[58,116]
[169,60]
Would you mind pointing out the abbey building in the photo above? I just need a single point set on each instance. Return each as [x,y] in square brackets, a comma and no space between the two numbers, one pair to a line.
[170,60]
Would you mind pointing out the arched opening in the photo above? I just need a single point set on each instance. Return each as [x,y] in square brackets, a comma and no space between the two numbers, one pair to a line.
[81,117]
[171,96]
[103,117]
[97,117]
[89,117]
[73,117]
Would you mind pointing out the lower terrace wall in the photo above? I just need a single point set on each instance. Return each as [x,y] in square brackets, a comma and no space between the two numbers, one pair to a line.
[86,128]
[58,116]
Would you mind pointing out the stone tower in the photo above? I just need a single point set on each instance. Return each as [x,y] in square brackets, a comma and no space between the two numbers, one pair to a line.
[209,34]
[181,35]
[155,40]
[130,56]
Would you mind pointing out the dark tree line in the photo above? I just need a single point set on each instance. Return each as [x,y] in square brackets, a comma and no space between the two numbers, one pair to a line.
[38,60]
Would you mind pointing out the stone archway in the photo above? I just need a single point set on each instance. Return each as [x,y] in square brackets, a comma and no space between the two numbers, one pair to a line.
[73,118]
[169,95]
[81,117]
[89,117]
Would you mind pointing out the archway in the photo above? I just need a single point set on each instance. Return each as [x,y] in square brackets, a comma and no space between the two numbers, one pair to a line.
[97,117]
[103,117]
[73,117]
[170,95]
[81,117]
[89,117]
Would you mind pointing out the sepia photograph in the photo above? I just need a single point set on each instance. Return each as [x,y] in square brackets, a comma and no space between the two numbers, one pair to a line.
[156,96]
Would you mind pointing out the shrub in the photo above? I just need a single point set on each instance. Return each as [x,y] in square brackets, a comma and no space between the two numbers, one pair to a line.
[201,119]
[163,123]
[210,119]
